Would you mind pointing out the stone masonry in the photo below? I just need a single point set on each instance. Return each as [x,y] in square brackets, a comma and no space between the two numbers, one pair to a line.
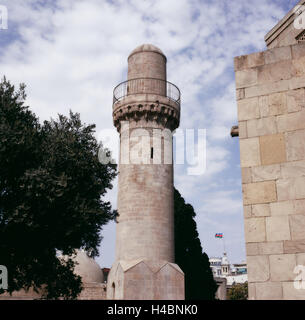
[145,112]
[270,91]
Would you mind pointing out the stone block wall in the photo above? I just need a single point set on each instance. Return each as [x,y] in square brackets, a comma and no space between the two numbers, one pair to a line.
[21,295]
[271,113]
[91,291]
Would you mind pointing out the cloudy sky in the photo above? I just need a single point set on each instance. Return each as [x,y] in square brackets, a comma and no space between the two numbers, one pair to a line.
[72,53]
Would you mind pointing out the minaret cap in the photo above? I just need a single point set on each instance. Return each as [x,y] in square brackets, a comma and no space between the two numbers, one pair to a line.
[147,47]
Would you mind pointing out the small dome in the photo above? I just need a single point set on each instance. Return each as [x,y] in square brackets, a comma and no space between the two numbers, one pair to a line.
[146,47]
[87,268]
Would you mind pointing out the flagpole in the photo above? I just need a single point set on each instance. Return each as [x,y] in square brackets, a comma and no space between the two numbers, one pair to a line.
[221,236]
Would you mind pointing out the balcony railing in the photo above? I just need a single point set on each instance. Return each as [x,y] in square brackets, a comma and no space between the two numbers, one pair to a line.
[146,85]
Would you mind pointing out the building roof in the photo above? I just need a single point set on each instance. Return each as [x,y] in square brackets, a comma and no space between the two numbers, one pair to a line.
[240,278]
[148,48]
[242,264]
[215,258]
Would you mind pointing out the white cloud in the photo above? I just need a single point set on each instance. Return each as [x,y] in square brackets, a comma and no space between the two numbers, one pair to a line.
[221,202]
[218,133]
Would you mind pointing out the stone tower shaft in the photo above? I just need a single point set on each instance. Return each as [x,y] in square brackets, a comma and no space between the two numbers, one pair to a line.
[146,109]
[145,199]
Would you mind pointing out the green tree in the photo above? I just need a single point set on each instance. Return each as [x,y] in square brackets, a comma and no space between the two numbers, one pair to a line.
[238,291]
[199,281]
[51,184]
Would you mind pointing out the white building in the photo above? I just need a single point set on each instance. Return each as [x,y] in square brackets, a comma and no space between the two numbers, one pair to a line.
[225,266]
[235,273]
[215,264]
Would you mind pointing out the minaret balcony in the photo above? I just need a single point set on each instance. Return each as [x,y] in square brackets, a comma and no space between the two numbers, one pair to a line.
[146,96]
[146,86]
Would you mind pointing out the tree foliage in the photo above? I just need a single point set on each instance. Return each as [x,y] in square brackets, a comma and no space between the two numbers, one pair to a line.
[51,184]
[199,281]
[238,291]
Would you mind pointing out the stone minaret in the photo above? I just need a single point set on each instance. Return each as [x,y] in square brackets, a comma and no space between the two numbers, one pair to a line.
[146,109]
